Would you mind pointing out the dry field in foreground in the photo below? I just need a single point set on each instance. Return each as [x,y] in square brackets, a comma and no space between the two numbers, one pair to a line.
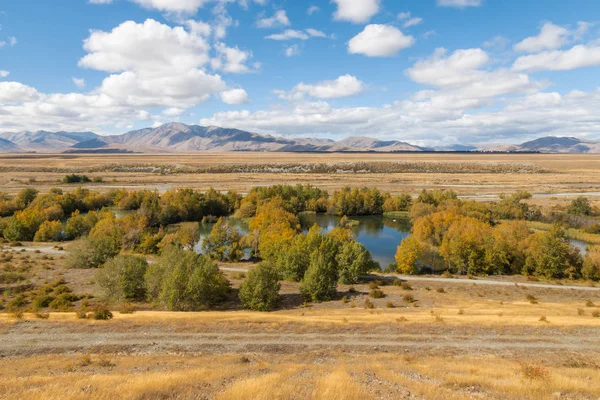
[468,174]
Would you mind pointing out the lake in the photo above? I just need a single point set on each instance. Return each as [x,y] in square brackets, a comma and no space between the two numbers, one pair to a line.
[380,235]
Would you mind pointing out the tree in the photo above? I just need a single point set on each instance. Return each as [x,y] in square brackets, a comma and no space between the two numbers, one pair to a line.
[353,261]
[49,231]
[320,281]
[550,255]
[293,262]
[580,206]
[591,265]
[464,245]
[409,256]
[224,242]
[260,290]
[92,252]
[122,278]
[185,281]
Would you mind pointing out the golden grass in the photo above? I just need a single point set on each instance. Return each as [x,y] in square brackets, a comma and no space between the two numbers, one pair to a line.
[480,313]
[302,376]
[571,233]
[573,173]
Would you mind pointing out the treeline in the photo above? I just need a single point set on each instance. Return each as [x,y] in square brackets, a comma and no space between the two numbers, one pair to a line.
[468,237]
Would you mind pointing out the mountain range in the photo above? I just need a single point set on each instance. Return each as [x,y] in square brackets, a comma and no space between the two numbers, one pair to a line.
[178,137]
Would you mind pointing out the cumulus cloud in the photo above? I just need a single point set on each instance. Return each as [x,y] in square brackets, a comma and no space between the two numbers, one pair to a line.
[15,92]
[550,37]
[231,59]
[463,73]
[379,41]
[235,96]
[560,60]
[460,3]
[149,65]
[291,34]
[4,74]
[344,86]
[280,18]
[357,11]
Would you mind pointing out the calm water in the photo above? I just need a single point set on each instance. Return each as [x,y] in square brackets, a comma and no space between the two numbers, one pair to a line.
[381,236]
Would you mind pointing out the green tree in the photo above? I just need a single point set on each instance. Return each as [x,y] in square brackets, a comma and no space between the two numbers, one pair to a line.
[122,278]
[260,290]
[580,206]
[320,281]
[353,261]
[224,242]
[185,281]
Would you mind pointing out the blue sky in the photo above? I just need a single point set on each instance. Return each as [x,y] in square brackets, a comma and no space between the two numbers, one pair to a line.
[424,71]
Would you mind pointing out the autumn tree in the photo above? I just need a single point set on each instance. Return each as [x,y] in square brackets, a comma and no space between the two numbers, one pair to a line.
[224,242]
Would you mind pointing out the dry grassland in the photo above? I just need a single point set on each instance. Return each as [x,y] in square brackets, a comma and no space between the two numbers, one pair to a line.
[541,173]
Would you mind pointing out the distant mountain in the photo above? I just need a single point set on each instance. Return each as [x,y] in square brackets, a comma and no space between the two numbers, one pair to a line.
[177,137]
[551,144]
[43,141]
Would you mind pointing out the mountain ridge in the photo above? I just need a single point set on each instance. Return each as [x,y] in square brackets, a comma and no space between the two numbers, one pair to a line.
[179,137]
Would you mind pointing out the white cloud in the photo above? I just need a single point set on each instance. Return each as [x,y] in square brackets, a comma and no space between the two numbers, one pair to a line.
[312,9]
[460,3]
[100,1]
[181,6]
[560,60]
[12,41]
[79,82]
[173,112]
[234,96]
[291,34]
[550,37]
[344,86]
[278,19]
[15,92]
[231,59]
[4,74]
[293,50]
[379,41]
[199,28]
[357,11]
[462,74]
[409,20]
[150,46]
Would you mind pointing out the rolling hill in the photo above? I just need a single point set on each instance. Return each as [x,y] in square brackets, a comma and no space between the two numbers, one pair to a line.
[178,137]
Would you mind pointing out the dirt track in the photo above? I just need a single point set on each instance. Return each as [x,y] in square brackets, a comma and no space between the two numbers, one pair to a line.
[28,338]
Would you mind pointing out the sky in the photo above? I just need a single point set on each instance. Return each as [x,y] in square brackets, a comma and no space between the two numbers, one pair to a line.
[429,72]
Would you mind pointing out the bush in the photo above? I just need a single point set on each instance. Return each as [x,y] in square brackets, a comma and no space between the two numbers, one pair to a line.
[580,206]
[49,231]
[185,281]
[76,179]
[101,312]
[92,252]
[260,290]
[123,278]
[377,294]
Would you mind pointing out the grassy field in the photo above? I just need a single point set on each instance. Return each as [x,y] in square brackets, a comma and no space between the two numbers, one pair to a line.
[242,171]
